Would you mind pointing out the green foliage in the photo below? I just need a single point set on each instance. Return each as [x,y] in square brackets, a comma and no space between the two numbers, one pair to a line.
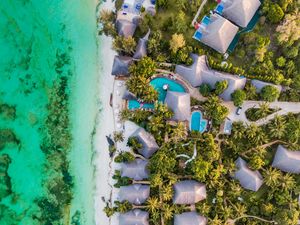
[269,93]
[221,86]
[145,67]
[274,12]
[179,22]
[121,181]
[109,211]
[281,61]
[238,97]
[8,111]
[215,110]
[205,89]
[5,181]
[106,18]
[122,207]
[124,157]
[124,45]
[118,136]
[254,114]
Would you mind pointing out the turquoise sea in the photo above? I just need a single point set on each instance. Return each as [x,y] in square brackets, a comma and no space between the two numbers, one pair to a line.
[33,34]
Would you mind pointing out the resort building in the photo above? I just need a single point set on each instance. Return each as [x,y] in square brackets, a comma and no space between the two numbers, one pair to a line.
[126,23]
[189,218]
[258,84]
[121,65]
[199,73]
[136,217]
[286,160]
[180,104]
[141,49]
[148,142]
[136,194]
[136,170]
[188,192]
[216,32]
[239,12]
[249,179]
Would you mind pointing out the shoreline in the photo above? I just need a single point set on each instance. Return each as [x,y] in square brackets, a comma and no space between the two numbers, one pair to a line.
[104,126]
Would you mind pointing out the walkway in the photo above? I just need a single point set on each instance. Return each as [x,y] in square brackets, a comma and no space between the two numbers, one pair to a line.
[198,12]
[286,107]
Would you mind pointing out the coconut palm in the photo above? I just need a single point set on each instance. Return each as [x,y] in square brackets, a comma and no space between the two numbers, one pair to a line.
[167,211]
[277,127]
[263,111]
[166,192]
[179,132]
[216,221]
[252,131]
[271,176]
[287,182]
[152,204]
[238,130]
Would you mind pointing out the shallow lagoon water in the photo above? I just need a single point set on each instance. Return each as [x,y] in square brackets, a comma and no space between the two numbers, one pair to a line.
[32,34]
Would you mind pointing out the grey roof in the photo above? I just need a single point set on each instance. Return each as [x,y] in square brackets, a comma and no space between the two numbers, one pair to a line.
[258,84]
[249,179]
[188,192]
[147,140]
[219,33]
[189,218]
[286,160]
[141,49]
[180,104]
[136,193]
[136,170]
[199,73]
[134,217]
[240,11]
[121,65]
[125,28]
[128,95]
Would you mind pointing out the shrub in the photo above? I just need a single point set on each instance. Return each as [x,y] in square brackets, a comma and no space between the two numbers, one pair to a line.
[205,89]
[269,93]
[238,97]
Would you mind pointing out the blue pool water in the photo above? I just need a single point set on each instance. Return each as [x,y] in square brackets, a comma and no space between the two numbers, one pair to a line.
[158,84]
[197,122]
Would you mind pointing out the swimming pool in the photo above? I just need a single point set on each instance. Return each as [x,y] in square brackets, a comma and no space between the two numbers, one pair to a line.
[197,123]
[158,84]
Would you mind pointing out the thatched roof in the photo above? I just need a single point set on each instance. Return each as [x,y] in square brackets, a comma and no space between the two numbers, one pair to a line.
[180,104]
[188,192]
[141,49]
[219,33]
[189,218]
[148,142]
[134,217]
[136,170]
[240,11]
[136,193]
[249,179]
[199,73]
[125,28]
[286,160]
[121,65]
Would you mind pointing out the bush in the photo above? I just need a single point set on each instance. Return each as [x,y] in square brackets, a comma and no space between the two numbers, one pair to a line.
[269,93]
[124,157]
[221,86]
[275,13]
[238,97]
[205,89]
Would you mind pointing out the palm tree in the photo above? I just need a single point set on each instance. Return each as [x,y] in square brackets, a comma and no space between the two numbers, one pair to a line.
[277,127]
[287,182]
[263,111]
[238,130]
[252,131]
[179,132]
[153,204]
[271,177]
[216,221]
[166,192]
[167,211]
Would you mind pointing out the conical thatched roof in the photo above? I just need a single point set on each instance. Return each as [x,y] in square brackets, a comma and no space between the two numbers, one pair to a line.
[136,170]
[180,104]
[240,11]
[136,194]
[249,179]
[134,217]
[148,142]
[121,65]
[141,49]
[125,28]
[287,161]
[189,218]
[219,33]
[188,192]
